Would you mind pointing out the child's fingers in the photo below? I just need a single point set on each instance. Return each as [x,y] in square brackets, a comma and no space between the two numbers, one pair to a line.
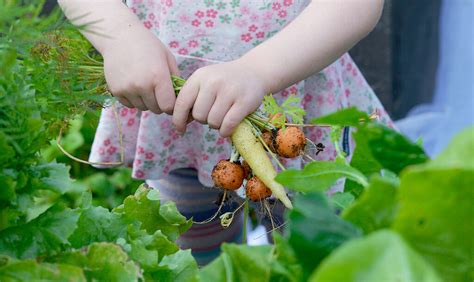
[124,101]
[173,66]
[164,93]
[184,103]
[203,104]
[137,102]
[218,111]
[151,103]
[232,119]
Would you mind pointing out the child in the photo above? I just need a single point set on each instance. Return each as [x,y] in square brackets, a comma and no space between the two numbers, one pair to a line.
[232,53]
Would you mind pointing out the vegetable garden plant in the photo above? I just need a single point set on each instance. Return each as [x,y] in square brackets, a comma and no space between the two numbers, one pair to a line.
[402,217]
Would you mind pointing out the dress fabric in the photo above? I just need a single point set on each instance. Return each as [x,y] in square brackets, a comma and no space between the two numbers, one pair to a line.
[204,32]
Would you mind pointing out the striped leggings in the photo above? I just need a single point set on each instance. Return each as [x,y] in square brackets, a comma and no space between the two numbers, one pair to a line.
[195,201]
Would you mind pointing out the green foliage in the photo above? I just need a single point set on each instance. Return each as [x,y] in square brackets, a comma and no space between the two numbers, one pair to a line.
[379,147]
[342,200]
[61,220]
[134,246]
[459,153]
[29,270]
[177,267]
[319,176]
[376,208]
[289,109]
[107,262]
[315,230]
[416,227]
[435,217]
[240,263]
[381,256]
[45,235]
[346,117]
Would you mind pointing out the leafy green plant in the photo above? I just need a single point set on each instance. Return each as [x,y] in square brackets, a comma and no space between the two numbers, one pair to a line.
[402,216]
[412,228]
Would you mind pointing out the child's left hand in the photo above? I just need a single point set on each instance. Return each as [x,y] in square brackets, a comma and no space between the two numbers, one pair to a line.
[220,95]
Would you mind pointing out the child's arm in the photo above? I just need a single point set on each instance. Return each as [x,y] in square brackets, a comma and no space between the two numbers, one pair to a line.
[223,94]
[137,65]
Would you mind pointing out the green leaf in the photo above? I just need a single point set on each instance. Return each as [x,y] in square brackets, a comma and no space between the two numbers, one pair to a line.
[102,262]
[148,250]
[239,263]
[381,256]
[435,217]
[315,230]
[347,117]
[171,214]
[53,176]
[319,176]
[148,211]
[459,153]
[220,269]
[178,267]
[362,159]
[7,151]
[290,108]
[353,188]
[342,200]
[97,224]
[7,186]
[44,235]
[108,262]
[375,208]
[30,270]
[286,267]
[381,147]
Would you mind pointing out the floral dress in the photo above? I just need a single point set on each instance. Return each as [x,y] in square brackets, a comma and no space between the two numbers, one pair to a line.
[202,32]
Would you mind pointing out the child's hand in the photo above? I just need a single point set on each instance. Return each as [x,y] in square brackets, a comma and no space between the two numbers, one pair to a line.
[220,95]
[137,69]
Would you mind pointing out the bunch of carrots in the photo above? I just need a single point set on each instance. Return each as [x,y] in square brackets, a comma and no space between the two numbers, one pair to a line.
[262,135]
[253,143]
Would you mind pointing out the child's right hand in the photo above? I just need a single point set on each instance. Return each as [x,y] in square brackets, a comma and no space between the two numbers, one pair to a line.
[137,69]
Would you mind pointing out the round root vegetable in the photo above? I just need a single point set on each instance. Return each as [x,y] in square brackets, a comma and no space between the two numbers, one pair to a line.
[268,138]
[228,175]
[253,152]
[256,190]
[290,142]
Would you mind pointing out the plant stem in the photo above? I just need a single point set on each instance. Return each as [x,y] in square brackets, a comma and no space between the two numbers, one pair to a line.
[246,214]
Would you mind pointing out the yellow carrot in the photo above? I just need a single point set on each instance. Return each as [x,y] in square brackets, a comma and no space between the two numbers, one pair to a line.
[252,151]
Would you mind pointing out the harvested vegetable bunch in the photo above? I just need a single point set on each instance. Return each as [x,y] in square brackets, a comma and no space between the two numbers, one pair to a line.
[249,147]
[73,57]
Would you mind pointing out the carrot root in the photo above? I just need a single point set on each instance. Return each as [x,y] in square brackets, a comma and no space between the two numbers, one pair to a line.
[253,152]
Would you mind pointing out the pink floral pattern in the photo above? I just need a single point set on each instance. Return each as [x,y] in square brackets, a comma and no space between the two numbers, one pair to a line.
[220,30]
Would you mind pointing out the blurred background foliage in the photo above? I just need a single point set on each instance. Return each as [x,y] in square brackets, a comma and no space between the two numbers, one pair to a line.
[109,187]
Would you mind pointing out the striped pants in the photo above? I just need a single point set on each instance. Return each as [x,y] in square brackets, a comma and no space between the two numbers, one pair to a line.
[195,201]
